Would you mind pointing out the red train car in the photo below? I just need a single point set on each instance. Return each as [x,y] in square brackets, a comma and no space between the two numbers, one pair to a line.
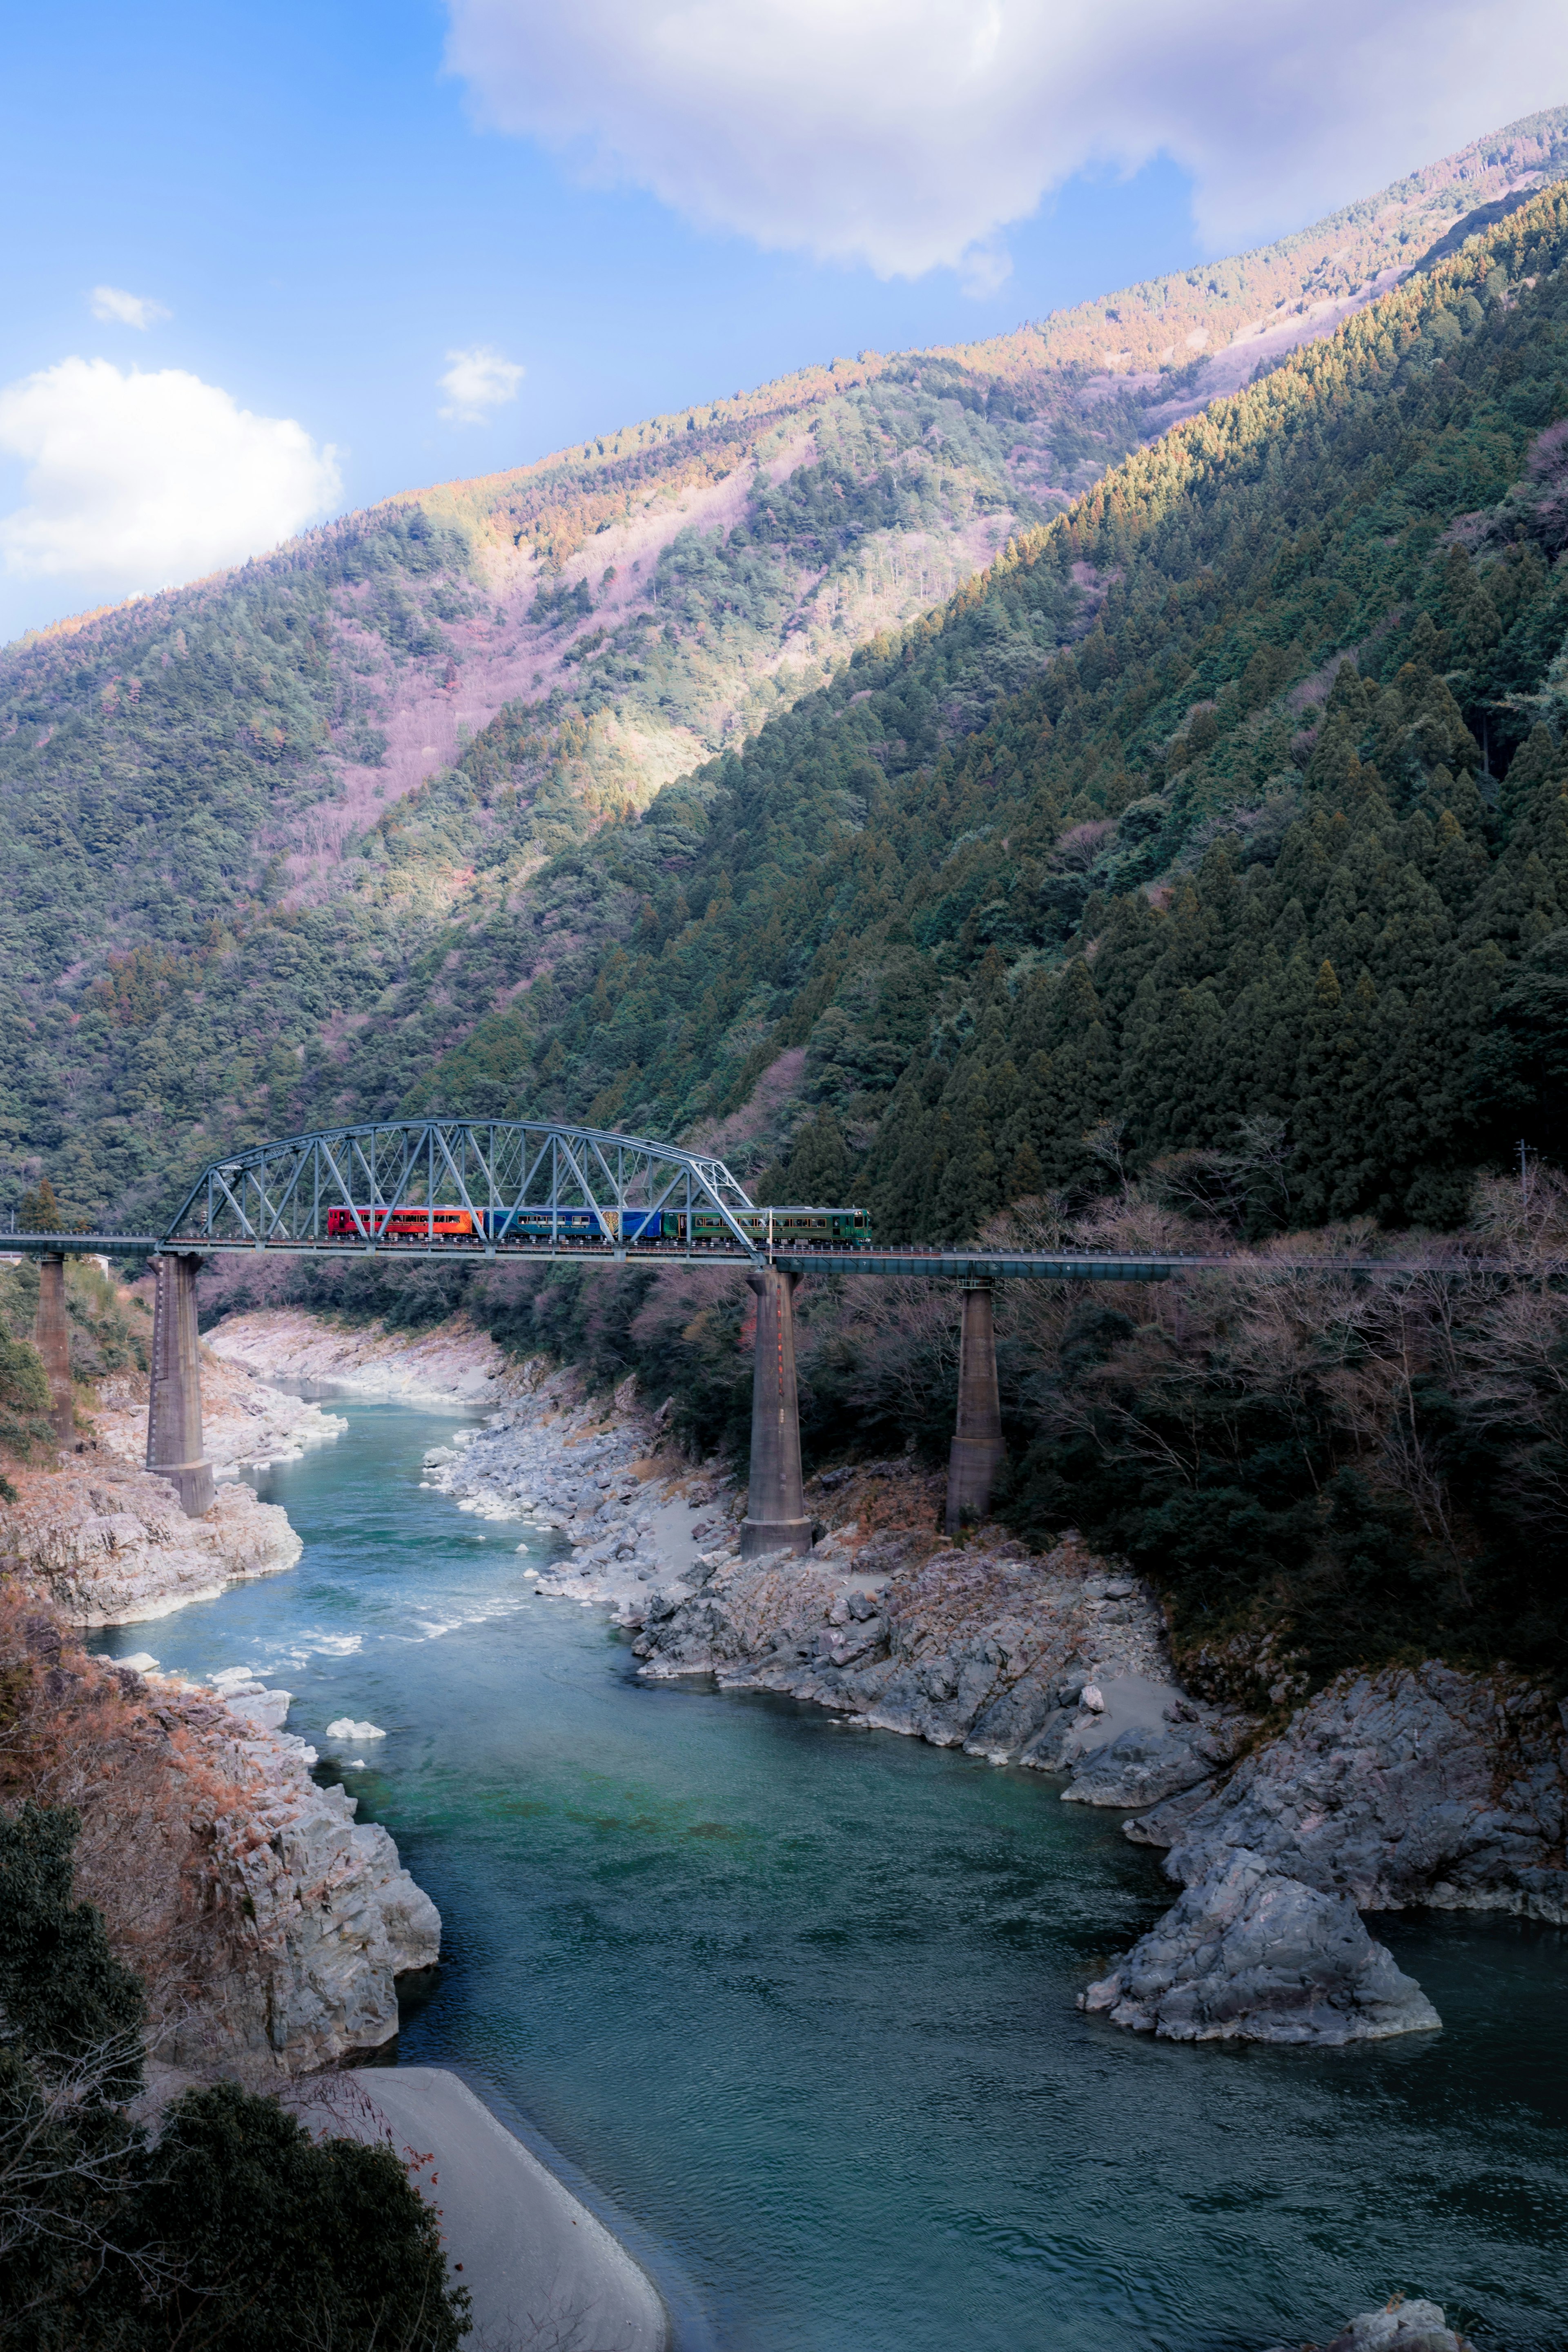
[404,1224]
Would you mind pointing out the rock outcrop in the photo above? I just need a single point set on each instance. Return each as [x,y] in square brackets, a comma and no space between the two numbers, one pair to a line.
[268,1926]
[1053,1663]
[337,1919]
[1249,1954]
[107,1545]
[1413,1786]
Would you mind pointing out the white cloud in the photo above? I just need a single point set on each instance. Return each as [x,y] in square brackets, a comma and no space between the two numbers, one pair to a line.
[478,381]
[113,304]
[135,481]
[907,133]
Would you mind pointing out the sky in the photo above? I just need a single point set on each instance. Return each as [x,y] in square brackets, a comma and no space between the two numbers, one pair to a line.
[271,264]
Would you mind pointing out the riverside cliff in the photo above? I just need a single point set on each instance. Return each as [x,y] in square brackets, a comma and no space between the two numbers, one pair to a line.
[269,1927]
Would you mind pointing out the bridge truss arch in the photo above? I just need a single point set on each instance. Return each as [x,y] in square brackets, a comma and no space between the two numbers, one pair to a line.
[525,1185]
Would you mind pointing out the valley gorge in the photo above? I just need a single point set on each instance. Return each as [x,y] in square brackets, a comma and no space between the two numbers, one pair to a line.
[1101,792]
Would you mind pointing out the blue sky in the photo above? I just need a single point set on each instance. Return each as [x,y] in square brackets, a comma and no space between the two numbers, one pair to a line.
[326,213]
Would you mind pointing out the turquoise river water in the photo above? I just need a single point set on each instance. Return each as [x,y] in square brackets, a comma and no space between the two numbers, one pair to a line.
[799,1999]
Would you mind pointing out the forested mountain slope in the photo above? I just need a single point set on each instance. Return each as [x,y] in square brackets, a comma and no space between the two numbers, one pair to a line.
[1270,869]
[278,841]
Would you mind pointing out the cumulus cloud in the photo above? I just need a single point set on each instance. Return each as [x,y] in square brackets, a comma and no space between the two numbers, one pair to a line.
[114,305]
[907,133]
[478,381]
[138,480]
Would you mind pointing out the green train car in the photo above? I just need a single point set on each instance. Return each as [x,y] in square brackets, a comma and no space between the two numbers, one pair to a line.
[791,1228]
[795,1228]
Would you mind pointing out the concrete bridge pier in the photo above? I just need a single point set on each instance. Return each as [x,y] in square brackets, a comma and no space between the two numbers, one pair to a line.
[775,1517]
[175,1399]
[977,1451]
[51,1336]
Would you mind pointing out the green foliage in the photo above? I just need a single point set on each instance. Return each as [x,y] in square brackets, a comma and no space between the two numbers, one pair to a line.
[173,986]
[237,2232]
[281,2238]
[40,1210]
[24,1384]
[62,1992]
[363,1290]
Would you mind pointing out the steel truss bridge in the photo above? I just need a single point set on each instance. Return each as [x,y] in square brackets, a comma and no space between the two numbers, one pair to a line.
[466,1190]
[532,1189]
[526,1189]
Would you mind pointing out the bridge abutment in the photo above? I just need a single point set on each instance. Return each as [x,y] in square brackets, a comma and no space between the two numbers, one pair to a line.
[775,1517]
[175,1397]
[51,1336]
[977,1451]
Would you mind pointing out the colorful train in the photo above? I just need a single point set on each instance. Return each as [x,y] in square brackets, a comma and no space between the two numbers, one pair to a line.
[789,1228]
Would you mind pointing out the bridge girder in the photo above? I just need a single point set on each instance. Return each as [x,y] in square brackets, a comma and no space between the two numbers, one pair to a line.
[280,1195]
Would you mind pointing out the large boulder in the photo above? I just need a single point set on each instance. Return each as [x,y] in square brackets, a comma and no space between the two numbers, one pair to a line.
[1248,1955]
[1399,2326]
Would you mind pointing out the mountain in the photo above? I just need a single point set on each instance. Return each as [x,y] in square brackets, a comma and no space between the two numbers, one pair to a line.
[547,789]
[1262,875]
[1243,912]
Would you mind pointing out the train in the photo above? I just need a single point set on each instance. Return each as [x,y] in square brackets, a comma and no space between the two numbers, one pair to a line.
[789,1228]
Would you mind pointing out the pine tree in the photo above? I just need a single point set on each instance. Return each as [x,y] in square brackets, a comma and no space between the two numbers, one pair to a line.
[817,1171]
[40,1211]
[1536,762]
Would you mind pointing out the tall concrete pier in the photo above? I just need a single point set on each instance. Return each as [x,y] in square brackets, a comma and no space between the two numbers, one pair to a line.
[174,1403]
[51,1336]
[775,1515]
[977,1451]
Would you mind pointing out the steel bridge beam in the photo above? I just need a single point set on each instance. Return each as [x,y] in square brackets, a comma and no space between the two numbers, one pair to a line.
[568,1182]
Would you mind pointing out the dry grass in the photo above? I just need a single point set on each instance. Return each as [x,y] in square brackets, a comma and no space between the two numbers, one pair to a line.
[165,1802]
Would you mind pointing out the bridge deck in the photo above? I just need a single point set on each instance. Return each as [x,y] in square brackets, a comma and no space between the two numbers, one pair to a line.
[946,1264]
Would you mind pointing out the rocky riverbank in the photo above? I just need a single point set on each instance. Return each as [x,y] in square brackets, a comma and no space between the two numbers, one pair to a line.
[454,1364]
[245,1424]
[334,1918]
[106,1544]
[267,1924]
[1406,1788]
[1414,1787]
[109,1545]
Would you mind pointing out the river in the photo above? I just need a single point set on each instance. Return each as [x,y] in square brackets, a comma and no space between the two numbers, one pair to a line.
[799,1999]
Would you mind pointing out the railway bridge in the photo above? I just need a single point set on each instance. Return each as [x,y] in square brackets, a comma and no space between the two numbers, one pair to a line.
[483,1191]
